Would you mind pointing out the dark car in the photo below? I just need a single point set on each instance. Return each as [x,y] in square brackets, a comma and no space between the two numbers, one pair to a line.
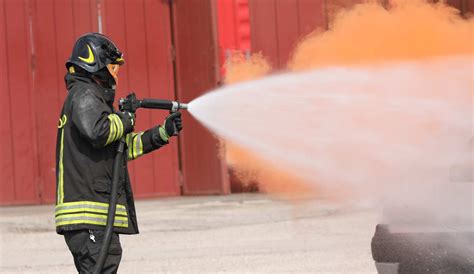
[413,243]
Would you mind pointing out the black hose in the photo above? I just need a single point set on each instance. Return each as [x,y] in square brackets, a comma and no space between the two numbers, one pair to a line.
[104,250]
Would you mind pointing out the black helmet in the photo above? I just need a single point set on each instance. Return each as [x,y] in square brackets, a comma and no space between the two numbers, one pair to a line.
[93,52]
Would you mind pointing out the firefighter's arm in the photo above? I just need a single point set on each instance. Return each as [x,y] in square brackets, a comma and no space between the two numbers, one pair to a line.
[96,122]
[154,138]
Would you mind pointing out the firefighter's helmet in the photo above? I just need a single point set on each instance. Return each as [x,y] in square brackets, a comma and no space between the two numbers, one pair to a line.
[93,52]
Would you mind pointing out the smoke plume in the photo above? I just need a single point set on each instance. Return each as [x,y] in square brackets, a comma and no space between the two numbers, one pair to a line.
[364,34]
[369,33]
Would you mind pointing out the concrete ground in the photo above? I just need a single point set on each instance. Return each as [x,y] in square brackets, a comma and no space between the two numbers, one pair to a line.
[245,233]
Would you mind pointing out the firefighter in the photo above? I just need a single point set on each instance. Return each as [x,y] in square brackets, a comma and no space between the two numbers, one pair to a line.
[88,130]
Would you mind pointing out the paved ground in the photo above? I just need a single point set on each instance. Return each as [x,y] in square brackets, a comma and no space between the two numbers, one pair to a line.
[249,233]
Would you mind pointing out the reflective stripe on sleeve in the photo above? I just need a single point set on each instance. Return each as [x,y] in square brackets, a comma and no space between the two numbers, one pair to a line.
[119,124]
[135,145]
[129,141]
[111,130]
[137,142]
[115,129]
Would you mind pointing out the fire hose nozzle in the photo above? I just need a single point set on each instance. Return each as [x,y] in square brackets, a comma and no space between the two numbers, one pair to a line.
[177,106]
[131,104]
[183,106]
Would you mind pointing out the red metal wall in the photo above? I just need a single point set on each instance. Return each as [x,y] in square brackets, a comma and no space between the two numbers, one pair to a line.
[37,37]
[19,160]
[465,6]
[197,69]
[233,24]
[276,25]
[142,30]
[54,27]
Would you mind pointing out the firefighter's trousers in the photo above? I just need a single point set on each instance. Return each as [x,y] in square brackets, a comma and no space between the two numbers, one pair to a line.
[85,247]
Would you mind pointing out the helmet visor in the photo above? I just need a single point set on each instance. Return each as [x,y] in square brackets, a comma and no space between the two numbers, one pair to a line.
[119,61]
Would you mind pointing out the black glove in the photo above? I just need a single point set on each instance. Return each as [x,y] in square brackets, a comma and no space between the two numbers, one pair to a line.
[173,123]
[172,126]
[128,121]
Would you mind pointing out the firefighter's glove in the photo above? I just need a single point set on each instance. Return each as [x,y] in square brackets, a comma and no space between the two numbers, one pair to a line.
[172,126]
[128,121]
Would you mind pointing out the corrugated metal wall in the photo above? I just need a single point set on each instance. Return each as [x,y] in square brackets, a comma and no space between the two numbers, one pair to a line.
[37,37]
[142,30]
[233,24]
[233,19]
[19,161]
[277,25]
[54,25]
[204,170]
[465,6]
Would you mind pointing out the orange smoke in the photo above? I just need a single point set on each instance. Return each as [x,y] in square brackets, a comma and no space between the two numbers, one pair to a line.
[334,7]
[240,67]
[248,170]
[367,33]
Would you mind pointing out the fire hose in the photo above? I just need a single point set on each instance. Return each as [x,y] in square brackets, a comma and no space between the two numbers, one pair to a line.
[129,104]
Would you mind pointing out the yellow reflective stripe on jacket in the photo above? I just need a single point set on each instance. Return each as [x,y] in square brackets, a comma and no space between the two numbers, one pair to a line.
[89,218]
[61,170]
[135,145]
[115,129]
[87,212]
[87,206]
[60,194]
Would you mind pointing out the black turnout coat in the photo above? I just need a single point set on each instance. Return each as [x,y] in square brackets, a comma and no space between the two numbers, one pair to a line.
[88,131]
